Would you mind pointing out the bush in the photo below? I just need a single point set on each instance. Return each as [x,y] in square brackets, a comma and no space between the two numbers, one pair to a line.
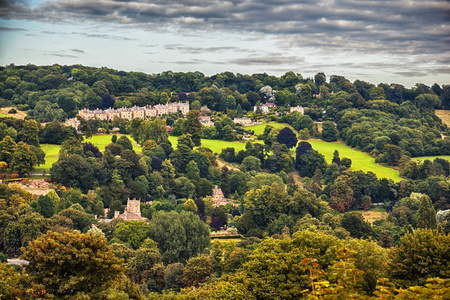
[12,111]
[23,107]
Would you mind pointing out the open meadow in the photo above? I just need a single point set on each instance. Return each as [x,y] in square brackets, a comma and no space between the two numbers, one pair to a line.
[360,160]
[259,129]
[423,158]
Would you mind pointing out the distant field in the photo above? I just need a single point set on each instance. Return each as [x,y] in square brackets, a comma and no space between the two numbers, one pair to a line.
[422,158]
[19,115]
[259,129]
[52,151]
[360,160]
[444,115]
[372,215]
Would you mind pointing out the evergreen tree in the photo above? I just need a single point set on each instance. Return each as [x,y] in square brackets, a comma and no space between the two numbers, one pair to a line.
[336,159]
[427,214]
[194,127]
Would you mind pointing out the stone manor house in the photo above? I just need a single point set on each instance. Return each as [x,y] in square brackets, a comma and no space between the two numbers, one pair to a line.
[135,112]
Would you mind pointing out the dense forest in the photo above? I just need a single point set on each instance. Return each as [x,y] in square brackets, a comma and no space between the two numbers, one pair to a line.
[293,227]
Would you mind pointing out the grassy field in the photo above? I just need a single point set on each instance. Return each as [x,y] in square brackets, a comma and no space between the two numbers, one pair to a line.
[259,129]
[373,215]
[422,158]
[52,151]
[444,115]
[19,115]
[360,160]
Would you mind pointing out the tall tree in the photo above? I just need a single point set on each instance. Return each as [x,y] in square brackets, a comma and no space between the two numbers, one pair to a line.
[23,160]
[287,137]
[71,264]
[194,127]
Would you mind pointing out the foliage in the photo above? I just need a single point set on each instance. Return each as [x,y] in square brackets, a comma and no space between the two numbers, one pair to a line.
[422,254]
[71,263]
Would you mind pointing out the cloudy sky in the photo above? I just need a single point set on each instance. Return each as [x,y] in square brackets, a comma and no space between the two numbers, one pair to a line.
[400,41]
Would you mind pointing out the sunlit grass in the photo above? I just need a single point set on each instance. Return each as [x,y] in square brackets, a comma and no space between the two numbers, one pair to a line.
[360,160]
[259,129]
[423,158]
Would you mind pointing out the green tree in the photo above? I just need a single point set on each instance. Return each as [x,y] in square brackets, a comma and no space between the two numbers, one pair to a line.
[197,269]
[427,214]
[194,127]
[145,266]
[266,203]
[287,137]
[354,223]
[71,264]
[23,160]
[186,139]
[329,132]
[132,232]
[251,163]
[125,142]
[7,149]
[179,236]
[71,146]
[228,133]
[422,254]
[307,163]
[73,171]
[30,133]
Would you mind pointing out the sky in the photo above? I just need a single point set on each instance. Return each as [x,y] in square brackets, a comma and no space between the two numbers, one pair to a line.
[399,41]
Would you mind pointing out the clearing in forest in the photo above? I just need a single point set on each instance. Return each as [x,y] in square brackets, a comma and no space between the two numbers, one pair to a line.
[360,160]
[373,215]
[444,115]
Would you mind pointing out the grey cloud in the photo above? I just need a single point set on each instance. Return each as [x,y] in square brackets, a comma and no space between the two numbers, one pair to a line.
[399,26]
[11,29]
[267,60]
[411,74]
[62,55]
[186,49]
[77,50]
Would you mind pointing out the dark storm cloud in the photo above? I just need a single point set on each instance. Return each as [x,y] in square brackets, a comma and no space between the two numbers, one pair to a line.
[409,27]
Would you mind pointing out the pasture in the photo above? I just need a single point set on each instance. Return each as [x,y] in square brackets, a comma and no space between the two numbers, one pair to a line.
[423,158]
[259,129]
[444,115]
[360,160]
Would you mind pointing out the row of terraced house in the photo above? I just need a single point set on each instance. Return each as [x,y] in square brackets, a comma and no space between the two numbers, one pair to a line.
[135,112]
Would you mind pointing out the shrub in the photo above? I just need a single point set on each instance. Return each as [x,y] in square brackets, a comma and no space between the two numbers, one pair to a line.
[12,111]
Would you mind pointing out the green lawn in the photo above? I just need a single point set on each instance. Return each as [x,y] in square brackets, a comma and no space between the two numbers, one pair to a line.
[259,129]
[52,151]
[360,160]
[422,158]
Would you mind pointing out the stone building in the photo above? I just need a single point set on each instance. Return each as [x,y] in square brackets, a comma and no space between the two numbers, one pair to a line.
[132,211]
[218,196]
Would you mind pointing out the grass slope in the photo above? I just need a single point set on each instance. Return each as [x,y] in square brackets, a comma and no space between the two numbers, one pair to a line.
[444,115]
[422,158]
[360,160]
[52,151]
[259,129]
